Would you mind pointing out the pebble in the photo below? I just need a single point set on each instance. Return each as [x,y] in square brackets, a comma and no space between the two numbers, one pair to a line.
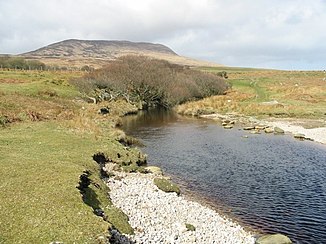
[160,217]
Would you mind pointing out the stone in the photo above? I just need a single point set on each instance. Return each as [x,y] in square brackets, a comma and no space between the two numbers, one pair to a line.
[104,110]
[190,227]
[154,170]
[228,127]
[260,127]
[299,136]
[166,185]
[273,239]
[278,130]
[255,131]
[249,127]
[269,130]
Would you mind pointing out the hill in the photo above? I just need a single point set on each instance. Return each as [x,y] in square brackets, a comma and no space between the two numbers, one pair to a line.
[77,53]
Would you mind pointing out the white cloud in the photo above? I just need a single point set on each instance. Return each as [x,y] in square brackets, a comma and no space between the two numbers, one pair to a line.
[279,34]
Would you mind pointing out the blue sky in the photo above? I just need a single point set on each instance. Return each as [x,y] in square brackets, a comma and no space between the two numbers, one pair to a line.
[283,34]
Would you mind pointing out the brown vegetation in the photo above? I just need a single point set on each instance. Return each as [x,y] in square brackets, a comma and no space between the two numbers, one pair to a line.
[149,82]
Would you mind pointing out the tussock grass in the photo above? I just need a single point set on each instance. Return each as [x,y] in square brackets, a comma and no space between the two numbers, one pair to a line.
[300,94]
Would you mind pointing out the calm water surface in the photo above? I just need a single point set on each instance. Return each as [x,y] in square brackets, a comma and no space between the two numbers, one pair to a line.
[271,183]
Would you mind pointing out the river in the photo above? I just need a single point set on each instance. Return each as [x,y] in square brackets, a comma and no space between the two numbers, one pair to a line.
[270,183]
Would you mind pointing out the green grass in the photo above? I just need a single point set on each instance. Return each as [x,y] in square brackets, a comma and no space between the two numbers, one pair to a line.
[40,168]
[45,94]
[34,83]
[41,161]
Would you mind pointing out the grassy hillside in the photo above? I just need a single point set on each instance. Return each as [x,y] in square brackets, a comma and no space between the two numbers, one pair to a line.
[48,137]
[97,53]
[261,92]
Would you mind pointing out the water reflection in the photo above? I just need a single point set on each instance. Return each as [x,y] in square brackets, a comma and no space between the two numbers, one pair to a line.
[274,183]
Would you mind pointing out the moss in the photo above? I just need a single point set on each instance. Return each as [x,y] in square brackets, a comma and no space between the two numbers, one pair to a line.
[190,227]
[166,185]
[118,219]
[133,168]
[95,194]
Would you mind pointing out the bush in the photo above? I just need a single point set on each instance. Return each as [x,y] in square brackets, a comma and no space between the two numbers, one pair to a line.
[20,63]
[149,82]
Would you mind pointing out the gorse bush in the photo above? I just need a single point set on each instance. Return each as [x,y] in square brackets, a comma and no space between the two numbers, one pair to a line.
[149,82]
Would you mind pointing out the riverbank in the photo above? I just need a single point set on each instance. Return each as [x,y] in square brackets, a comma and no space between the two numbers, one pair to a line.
[159,217]
[314,130]
[297,126]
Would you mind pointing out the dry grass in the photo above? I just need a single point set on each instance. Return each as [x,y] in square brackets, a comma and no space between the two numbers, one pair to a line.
[300,94]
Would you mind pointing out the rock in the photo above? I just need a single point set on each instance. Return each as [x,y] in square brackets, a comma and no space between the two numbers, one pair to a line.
[278,130]
[190,227]
[269,130]
[255,132]
[260,127]
[224,124]
[154,170]
[166,185]
[227,121]
[99,212]
[249,128]
[104,110]
[309,139]
[228,127]
[273,239]
[163,217]
[299,136]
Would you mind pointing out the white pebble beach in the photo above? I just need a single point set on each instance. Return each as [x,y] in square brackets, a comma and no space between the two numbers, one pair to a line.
[159,217]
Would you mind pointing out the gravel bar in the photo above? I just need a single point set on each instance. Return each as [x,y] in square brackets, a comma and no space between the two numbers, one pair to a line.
[160,217]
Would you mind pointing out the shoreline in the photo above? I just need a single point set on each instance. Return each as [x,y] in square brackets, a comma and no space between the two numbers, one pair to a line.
[162,217]
[298,127]
[307,129]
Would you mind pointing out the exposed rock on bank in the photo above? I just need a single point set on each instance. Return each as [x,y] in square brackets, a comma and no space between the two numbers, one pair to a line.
[159,217]
[277,126]
[273,239]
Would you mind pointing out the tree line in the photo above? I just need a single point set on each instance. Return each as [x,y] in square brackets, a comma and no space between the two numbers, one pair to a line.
[148,82]
[7,62]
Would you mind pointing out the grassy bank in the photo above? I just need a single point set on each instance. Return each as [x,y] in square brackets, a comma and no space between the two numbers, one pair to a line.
[48,139]
[264,93]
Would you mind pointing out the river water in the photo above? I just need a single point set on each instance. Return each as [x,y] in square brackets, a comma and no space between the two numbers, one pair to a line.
[270,183]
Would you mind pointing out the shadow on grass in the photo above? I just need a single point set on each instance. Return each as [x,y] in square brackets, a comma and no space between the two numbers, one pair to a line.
[113,215]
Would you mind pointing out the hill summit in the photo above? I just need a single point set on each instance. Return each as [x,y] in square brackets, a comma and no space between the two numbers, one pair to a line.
[77,53]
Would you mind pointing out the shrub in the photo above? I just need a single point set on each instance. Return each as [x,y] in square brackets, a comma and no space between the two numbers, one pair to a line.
[149,82]
[20,63]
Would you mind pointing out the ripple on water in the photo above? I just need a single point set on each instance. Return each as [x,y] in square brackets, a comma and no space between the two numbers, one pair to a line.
[273,183]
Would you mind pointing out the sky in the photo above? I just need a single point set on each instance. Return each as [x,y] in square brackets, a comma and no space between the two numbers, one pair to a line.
[280,34]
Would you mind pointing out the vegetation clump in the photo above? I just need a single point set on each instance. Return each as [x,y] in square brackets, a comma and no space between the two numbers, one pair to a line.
[8,62]
[190,227]
[166,185]
[147,82]
[95,194]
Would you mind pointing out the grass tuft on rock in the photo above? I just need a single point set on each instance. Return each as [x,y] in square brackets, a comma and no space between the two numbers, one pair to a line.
[119,220]
[190,227]
[166,185]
